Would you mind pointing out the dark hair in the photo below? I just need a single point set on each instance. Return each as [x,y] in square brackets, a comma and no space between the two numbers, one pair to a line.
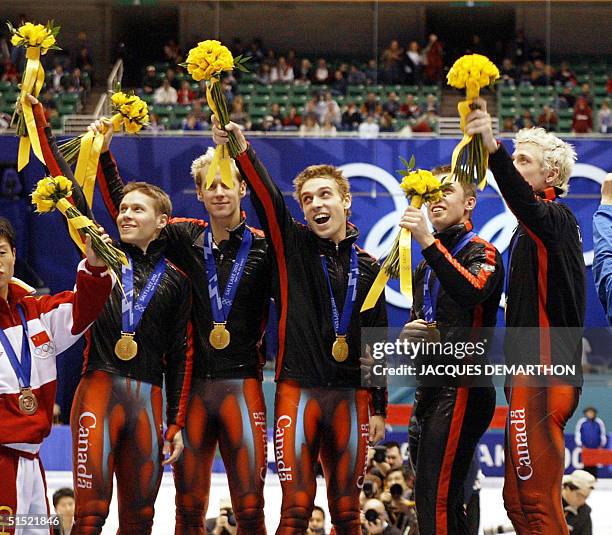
[400,470]
[318,508]
[7,232]
[65,492]
[390,445]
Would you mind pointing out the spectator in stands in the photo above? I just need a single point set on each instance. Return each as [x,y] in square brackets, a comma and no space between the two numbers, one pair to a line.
[525,120]
[263,75]
[150,82]
[351,118]
[171,77]
[239,115]
[538,76]
[328,128]
[256,51]
[332,110]
[590,433]
[339,85]
[431,103]
[426,123]
[548,119]
[520,47]
[356,76]
[604,118]
[321,73]
[386,123]
[185,94]
[277,116]
[63,503]
[48,102]
[192,124]
[566,99]
[576,489]
[74,81]
[375,519]
[282,72]
[371,72]
[434,63]
[172,53]
[413,64]
[310,126]
[165,94]
[565,75]
[582,122]
[393,455]
[292,60]
[57,79]
[410,109]
[270,58]
[316,524]
[586,94]
[509,125]
[10,73]
[154,124]
[508,72]
[293,120]
[304,72]
[392,59]
[198,112]
[371,106]
[369,128]
[84,61]
[392,105]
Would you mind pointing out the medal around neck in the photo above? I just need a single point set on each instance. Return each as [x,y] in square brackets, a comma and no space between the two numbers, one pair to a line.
[340,349]
[219,337]
[28,404]
[126,347]
[221,304]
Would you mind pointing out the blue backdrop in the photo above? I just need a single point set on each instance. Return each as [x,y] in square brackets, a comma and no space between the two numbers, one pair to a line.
[371,165]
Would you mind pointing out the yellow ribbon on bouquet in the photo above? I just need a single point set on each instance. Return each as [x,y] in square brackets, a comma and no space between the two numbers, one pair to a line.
[33,80]
[74,223]
[89,155]
[221,159]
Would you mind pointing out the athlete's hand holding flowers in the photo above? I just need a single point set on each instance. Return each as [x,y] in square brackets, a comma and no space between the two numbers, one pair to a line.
[414,221]
[479,122]
[221,136]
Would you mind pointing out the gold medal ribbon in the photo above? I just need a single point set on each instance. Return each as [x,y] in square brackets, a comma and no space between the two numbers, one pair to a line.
[33,80]
[221,159]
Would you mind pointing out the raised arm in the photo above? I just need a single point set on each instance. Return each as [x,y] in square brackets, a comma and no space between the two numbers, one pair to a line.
[602,244]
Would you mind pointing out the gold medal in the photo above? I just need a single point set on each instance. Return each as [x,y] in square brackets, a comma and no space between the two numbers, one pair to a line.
[340,349]
[126,347]
[28,404]
[219,337]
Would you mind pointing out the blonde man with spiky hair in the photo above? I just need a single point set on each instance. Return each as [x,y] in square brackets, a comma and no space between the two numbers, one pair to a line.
[545,309]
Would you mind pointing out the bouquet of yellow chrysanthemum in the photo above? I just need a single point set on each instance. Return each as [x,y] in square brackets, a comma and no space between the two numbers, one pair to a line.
[208,61]
[129,111]
[472,73]
[37,40]
[420,186]
[56,192]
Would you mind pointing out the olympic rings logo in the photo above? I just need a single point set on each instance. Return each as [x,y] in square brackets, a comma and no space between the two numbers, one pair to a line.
[498,230]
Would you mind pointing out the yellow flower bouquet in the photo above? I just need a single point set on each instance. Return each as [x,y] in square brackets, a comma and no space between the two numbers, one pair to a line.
[420,186]
[130,112]
[56,192]
[207,61]
[37,40]
[472,72]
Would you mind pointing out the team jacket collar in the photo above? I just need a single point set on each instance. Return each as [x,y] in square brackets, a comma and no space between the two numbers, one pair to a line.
[328,247]
[154,250]
[451,235]
[17,290]
[550,194]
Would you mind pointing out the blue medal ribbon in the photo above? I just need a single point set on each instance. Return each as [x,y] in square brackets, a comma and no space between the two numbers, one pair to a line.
[131,313]
[221,305]
[23,369]
[341,323]
[430,296]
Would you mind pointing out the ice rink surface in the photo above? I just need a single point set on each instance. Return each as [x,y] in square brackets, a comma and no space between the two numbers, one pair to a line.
[491,506]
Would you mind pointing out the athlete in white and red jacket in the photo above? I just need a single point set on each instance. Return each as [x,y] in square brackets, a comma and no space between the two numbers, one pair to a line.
[53,323]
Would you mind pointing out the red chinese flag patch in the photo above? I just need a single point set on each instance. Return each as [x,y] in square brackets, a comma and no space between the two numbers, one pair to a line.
[40,338]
